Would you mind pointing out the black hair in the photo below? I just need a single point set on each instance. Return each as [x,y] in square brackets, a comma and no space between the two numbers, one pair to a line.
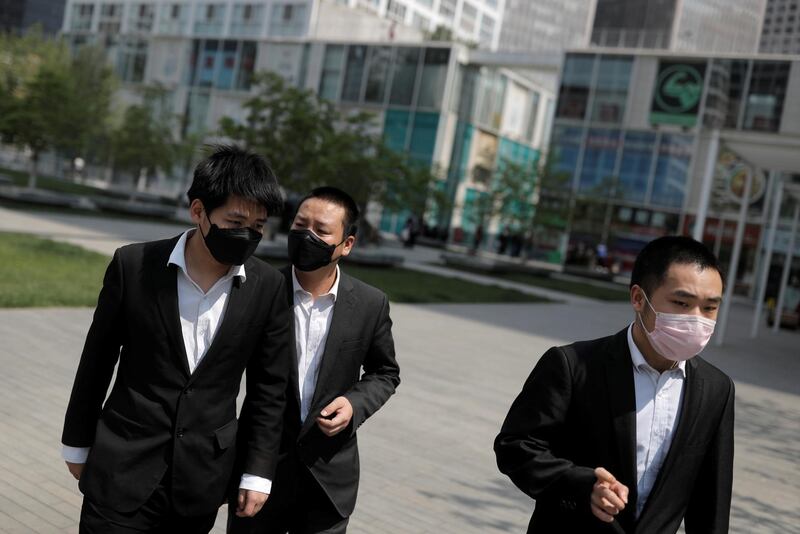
[655,259]
[340,198]
[231,170]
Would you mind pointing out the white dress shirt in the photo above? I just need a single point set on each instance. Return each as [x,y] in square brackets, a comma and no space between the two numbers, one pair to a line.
[312,322]
[658,402]
[201,313]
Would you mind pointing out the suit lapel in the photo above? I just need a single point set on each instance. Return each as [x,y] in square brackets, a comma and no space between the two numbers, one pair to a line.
[345,303]
[622,403]
[233,318]
[693,392]
[166,288]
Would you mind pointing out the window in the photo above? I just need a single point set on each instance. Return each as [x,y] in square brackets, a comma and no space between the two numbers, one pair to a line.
[563,157]
[222,64]
[421,22]
[405,75]
[247,20]
[209,19]
[600,156]
[469,15]
[434,77]
[110,19]
[287,20]
[637,159]
[611,89]
[765,99]
[174,18]
[576,80]
[672,170]
[530,128]
[487,30]
[142,17]
[354,73]
[82,17]
[396,11]
[132,60]
[379,61]
[331,72]
[423,137]
[724,98]
[447,9]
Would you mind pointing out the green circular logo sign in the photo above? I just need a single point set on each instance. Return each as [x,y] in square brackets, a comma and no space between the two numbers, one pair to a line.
[679,88]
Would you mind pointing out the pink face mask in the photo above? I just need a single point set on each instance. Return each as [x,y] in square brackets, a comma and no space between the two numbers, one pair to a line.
[678,336]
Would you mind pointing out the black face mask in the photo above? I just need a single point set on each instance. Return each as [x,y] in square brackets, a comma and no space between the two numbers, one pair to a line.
[307,252]
[231,246]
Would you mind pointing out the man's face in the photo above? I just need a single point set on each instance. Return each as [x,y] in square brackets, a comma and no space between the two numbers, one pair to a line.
[686,290]
[326,220]
[237,212]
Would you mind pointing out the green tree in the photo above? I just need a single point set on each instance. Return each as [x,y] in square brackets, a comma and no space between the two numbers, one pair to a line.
[143,143]
[309,143]
[508,196]
[34,75]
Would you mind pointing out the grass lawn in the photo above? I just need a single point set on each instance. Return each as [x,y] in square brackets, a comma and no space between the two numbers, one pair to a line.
[39,272]
[406,286]
[20,178]
[566,286]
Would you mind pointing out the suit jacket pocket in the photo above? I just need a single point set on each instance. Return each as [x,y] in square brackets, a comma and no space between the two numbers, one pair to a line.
[226,435]
[121,425]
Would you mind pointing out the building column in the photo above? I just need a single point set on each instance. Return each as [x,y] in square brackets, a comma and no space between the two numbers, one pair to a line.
[737,251]
[761,288]
[708,182]
[787,268]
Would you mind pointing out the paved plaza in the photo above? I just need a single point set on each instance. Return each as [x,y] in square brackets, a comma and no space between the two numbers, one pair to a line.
[427,460]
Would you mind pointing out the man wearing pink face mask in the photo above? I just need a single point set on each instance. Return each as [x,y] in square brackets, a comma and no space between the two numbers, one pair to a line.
[632,433]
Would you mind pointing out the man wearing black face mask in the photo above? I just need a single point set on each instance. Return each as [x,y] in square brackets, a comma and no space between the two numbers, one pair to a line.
[184,318]
[341,327]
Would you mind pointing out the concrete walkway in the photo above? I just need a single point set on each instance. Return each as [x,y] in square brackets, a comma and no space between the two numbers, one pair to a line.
[427,458]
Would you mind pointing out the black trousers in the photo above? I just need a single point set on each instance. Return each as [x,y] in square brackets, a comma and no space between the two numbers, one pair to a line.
[155,516]
[298,506]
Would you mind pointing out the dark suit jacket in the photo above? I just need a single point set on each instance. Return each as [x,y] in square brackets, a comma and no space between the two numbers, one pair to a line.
[577,412]
[360,337]
[158,415]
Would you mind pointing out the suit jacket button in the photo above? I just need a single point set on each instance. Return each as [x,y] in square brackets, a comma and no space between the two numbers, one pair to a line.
[180,432]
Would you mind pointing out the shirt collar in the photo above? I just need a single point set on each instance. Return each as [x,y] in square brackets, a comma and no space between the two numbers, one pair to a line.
[178,258]
[638,358]
[333,291]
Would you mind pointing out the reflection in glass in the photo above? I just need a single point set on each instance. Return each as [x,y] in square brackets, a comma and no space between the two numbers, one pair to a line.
[380,58]
[600,155]
[766,95]
[634,172]
[573,95]
[611,89]
[434,76]
[354,73]
[672,170]
[563,158]
[331,72]
[404,76]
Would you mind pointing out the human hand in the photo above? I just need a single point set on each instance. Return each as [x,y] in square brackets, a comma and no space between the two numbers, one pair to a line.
[335,416]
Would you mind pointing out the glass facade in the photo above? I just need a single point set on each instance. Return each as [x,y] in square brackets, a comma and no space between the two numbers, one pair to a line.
[599,162]
[672,171]
[611,89]
[222,64]
[404,76]
[331,72]
[638,154]
[576,81]
[563,158]
[766,95]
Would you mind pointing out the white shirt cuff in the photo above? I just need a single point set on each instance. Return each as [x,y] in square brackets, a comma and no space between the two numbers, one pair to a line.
[254,483]
[75,455]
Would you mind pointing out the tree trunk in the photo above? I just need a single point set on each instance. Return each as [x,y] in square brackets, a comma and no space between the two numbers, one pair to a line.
[32,175]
